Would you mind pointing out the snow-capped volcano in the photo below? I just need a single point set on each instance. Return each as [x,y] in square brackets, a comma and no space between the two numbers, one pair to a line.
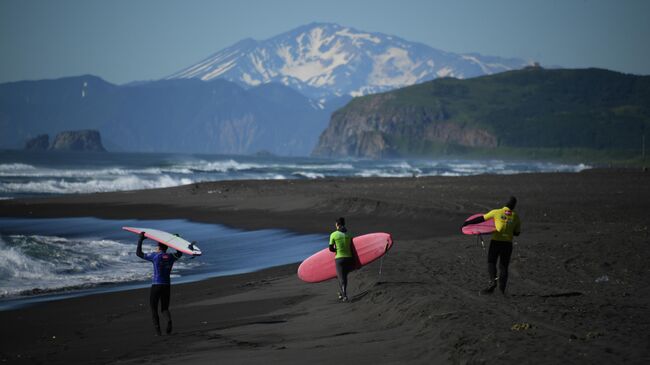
[323,61]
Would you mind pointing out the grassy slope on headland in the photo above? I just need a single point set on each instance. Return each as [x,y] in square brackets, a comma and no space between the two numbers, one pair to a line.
[589,114]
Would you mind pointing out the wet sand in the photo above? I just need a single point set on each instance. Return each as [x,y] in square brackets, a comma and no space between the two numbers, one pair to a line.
[579,289]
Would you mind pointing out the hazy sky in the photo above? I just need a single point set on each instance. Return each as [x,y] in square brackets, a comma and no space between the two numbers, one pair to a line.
[123,41]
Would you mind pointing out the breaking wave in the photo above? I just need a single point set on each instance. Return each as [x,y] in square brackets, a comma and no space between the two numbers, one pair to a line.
[117,172]
[62,186]
[34,264]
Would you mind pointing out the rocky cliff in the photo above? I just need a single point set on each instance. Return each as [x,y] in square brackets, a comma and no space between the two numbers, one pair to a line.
[532,108]
[372,129]
[78,141]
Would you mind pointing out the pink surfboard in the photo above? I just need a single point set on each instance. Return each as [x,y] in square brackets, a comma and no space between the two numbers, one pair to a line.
[479,228]
[367,248]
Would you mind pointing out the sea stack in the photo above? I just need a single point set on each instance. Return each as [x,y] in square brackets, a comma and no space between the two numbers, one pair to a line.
[78,141]
[38,143]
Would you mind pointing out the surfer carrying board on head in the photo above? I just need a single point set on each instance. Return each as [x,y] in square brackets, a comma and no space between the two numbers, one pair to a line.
[507,225]
[341,243]
[160,287]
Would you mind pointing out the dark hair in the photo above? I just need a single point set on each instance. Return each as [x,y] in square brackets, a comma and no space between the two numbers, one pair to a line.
[162,247]
[512,202]
[340,221]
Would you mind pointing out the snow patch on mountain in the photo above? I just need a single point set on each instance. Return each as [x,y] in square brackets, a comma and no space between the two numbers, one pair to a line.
[357,37]
[324,61]
[394,67]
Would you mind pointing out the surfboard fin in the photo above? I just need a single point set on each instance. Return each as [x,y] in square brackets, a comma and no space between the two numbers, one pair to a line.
[387,247]
[191,247]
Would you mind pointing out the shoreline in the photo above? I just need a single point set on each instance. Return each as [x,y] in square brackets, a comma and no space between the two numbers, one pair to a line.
[102,258]
[579,287]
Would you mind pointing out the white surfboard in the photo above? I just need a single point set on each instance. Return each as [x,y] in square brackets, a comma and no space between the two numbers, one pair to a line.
[168,239]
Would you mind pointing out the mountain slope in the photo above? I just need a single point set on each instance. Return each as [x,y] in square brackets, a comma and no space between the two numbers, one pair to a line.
[164,116]
[29,108]
[323,61]
[530,108]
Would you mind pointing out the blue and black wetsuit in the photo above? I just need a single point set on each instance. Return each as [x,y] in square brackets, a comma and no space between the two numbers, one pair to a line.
[160,286]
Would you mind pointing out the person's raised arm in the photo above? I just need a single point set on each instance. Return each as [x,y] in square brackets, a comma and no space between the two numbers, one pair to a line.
[138,251]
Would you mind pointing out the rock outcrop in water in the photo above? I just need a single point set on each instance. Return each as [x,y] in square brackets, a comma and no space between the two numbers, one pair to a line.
[38,143]
[79,141]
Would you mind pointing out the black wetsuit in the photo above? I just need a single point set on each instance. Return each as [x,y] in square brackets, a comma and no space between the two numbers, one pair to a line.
[499,250]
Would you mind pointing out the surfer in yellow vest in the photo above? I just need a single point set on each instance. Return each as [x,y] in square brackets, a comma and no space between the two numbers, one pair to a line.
[507,225]
[161,284]
[341,243]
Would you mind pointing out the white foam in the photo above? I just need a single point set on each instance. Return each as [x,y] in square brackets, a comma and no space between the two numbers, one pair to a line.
[15,167]
[76,173]
[60,186]
[450,174]
[397,164]
[48,263]
[328,167]
[46,172]
[221,166]
[308,175]
[382,173]
[21,178]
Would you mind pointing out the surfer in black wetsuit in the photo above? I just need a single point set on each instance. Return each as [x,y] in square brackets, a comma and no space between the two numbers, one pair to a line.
[160,287]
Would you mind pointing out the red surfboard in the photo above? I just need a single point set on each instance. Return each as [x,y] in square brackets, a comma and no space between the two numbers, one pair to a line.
[367,248]
[479,228]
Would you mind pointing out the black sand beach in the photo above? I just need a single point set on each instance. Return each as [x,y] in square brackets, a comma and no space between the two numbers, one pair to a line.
[579,289]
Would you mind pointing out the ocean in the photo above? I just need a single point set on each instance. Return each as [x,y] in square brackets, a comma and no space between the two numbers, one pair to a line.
[49,259]
[53,258]
[28,174]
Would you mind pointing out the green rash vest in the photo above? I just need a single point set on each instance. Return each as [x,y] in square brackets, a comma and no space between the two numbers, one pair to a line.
[343,242]
[506,222]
